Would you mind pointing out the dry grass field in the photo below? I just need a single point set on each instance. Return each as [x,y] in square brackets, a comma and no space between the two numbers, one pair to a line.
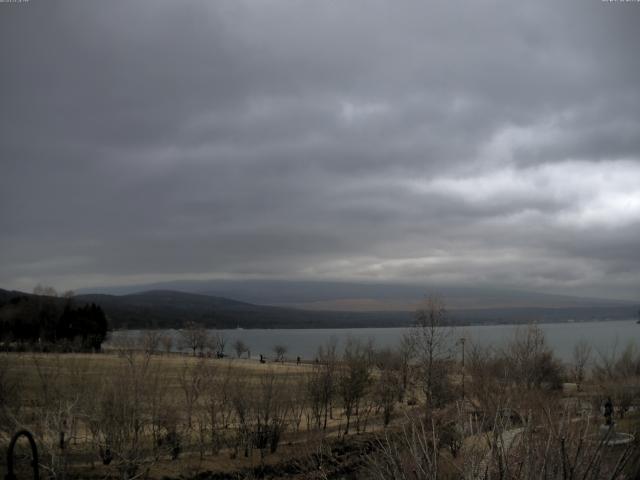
[127,413]
[38,370]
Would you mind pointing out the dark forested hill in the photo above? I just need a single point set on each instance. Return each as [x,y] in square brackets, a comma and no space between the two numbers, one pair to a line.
[172,309]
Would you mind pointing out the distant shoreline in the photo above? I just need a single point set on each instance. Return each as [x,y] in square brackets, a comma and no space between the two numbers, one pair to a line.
[363,327]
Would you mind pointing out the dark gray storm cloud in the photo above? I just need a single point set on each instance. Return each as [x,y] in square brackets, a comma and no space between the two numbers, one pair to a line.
[493,143]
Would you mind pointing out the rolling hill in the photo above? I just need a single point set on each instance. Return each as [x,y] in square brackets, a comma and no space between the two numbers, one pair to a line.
[353,296]
[172,309]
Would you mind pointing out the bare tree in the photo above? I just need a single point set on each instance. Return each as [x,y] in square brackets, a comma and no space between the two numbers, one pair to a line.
[217,403]
[354,379]
[297,396]
[150,341]
[239,347]
[489,385]
[241,401]
[220,343]
[280,351]
[194,337]
[387,390]
[532,360]
[191,379]
[581,357]
[322,383]
[269,412]
[432,342]
[619,376]
[118,420]
[406,353]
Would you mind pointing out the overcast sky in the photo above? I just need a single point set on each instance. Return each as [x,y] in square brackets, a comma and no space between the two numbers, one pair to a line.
[485,142]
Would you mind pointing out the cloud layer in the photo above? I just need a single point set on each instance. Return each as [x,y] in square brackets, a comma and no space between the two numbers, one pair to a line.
[494,143]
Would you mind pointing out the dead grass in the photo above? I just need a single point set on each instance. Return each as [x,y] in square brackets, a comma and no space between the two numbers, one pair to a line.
[34,369]
[45,378]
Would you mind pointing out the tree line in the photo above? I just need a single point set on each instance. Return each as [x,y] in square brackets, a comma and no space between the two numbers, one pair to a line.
[44,321]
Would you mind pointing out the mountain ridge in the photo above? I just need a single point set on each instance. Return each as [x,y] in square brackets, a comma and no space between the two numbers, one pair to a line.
[173,309]
[336,295]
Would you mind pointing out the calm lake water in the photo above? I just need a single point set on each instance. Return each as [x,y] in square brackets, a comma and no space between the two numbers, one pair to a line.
[603,336]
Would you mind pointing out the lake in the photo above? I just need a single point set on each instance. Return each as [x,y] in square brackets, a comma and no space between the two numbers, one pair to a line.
[603,336]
